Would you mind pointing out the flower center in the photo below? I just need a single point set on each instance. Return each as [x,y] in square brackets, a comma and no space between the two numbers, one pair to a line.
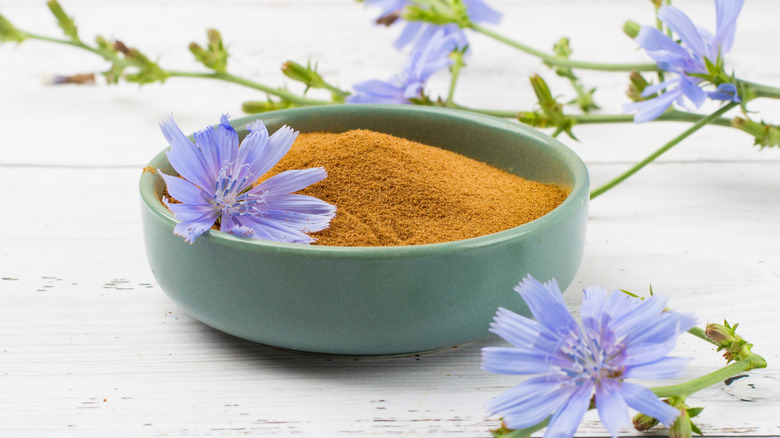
[593,355]
[230,192]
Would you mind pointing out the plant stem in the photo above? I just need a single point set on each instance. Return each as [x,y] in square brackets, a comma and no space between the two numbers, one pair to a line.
[762,90]
[750,362]
[588,119]
[562,62]
[455,72]
[699,333]
[695,127]
[227,77]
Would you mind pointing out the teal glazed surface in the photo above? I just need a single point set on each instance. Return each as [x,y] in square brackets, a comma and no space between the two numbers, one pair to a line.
[385,300]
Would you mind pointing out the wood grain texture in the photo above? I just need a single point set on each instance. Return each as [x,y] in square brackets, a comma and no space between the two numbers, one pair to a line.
[91,347]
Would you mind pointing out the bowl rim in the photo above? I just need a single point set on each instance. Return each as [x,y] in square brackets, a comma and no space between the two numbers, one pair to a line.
[579,192]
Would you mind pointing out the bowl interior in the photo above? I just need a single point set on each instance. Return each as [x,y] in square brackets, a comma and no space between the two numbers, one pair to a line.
[507,145]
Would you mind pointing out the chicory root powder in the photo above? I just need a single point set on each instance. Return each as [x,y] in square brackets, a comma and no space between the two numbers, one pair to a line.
[390,191]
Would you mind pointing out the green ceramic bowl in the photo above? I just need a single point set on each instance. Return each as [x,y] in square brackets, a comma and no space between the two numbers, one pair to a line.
[385,300]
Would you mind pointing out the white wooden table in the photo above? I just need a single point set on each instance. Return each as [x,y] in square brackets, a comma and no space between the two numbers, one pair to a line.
[91,347]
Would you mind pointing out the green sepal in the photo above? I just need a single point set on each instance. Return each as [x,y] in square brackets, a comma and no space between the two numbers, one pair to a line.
[66,23]
[439,12]
[148,71]
[9,33]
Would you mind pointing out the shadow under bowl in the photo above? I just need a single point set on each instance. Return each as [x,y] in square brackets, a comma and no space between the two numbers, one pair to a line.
[376,301]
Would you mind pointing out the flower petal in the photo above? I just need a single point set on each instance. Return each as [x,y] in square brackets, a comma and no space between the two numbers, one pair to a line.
[523,332]
[185,157]
[565,420]
[506,360]
[664,368]
[546,304]
[648,110]
[184,191]
[291,180]
[644,401]
[613,410]
[682,25]
[692,91]
[725,92]
[479,11]
[190,230]
[592,305]
[727,12]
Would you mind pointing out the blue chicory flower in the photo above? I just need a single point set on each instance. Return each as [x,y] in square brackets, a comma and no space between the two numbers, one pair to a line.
[418,33]
[217,183]
[686,58]
[620,337]
[408,84]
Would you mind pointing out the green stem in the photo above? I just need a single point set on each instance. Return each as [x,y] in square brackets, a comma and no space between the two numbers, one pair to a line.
[695,127]
[227,77]
[455,73]
[562,62]
[588,119]
[752,361]
[699,333]
[762,90]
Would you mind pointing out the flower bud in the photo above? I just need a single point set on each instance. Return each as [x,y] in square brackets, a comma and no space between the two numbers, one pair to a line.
[720,334]
[765,135]
[631,28]
[637,86]
[644,422]
[306,75]
[682,426]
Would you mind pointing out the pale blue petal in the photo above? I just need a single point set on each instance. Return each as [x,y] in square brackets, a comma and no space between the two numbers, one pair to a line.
[190,230]
[525,393]
[523,332]
[184,191]
[648,110]
[240,230]
[644,401]
[680,24]
[727,12]
[408,34]
[613,410]
[277,146]
[546,304]
[480,12]
[665,368]
[376,91]
[253,152]
[507,360]
[662,49]
[634,321]
[536,409]
[592,305]
[692,91]
[227,141]
[566,419]
[193,212]
[274,230]
[638,353]
[301,204]
[725,92]
[185,157]
[652,89]
[667,326]
[206,141]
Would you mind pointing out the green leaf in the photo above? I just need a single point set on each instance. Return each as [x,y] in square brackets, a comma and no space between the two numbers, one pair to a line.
[693,412]
[695,429]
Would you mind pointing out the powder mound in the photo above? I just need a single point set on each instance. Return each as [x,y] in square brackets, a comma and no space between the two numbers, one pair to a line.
[390,191]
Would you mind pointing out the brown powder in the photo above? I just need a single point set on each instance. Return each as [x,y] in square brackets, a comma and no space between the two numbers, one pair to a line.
[390,191]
